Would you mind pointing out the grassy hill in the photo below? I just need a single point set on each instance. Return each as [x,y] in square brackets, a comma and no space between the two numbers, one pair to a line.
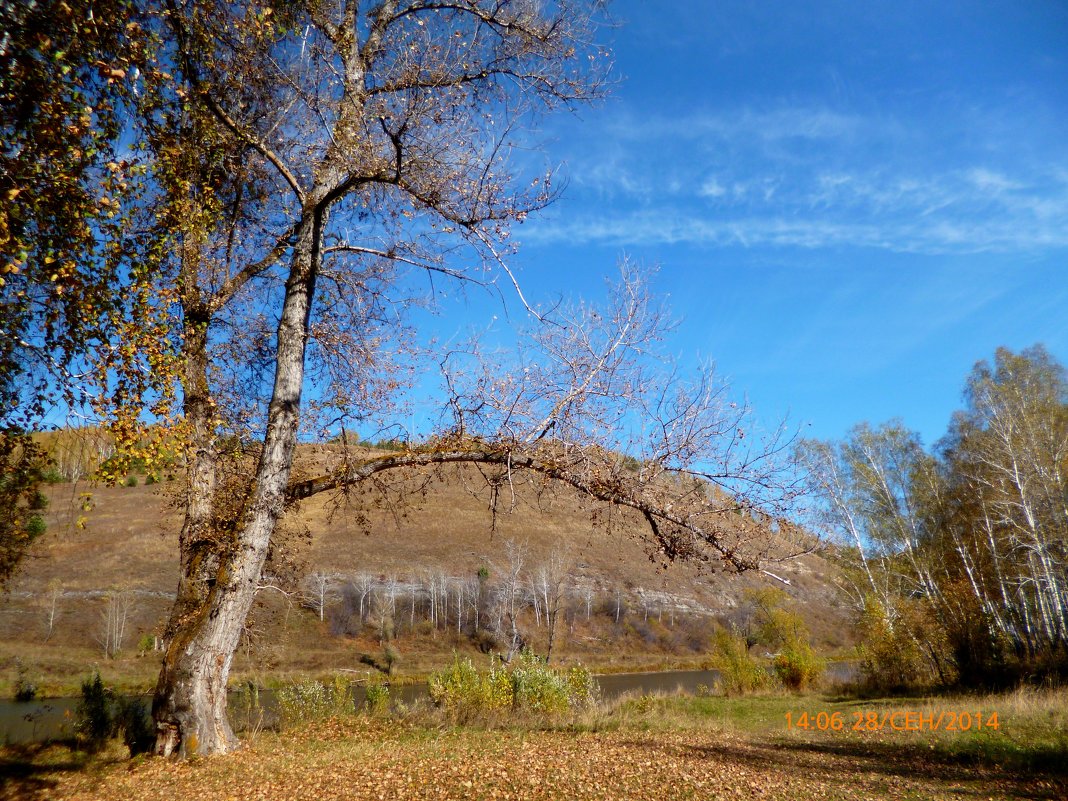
[396,572]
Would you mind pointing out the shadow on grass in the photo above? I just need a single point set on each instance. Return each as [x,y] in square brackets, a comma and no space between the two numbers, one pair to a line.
[26,770]
[1038,773]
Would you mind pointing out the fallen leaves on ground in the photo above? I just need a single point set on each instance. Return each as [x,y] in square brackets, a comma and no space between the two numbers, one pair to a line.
[361,759]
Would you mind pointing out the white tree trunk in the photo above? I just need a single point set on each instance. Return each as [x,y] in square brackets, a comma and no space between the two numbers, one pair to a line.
[190,704]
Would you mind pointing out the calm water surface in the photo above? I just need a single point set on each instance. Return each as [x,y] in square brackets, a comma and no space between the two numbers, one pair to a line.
[54,718]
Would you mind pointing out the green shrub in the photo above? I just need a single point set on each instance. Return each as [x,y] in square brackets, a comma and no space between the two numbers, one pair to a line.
[891,658]
[582,687]
[25,686]
[313,700]
[538,688]
[100,716]
[465,692]
[131,481]
[96,717]
[739,673]
[528,685]
[643,704]
[51,475]
[133,723]
[798,667]
[35,527]
[377,699]
[25,690]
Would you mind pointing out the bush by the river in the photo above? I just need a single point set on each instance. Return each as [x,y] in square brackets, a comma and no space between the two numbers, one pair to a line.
[527,684]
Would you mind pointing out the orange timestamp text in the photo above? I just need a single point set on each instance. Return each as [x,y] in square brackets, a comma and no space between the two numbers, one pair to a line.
[892,719]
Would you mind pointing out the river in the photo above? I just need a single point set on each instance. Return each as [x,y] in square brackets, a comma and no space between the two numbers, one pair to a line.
[54,718]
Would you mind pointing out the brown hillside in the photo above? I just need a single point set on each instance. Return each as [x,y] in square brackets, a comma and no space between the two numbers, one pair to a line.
[444,529]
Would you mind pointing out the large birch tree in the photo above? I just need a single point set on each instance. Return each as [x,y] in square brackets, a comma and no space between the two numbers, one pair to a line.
[304,164]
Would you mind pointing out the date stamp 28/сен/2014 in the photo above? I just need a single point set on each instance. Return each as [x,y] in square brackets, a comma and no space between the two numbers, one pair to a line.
[914,720]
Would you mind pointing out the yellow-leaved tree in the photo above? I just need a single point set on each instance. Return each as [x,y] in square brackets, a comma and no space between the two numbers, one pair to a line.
[305,167]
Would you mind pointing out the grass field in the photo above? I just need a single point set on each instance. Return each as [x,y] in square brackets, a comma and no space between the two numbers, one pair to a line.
[677,747]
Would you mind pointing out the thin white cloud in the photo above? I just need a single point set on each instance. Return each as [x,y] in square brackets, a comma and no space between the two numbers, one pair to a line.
[769,125]
[992,181]
[812,177]
[711,188]
[921,234]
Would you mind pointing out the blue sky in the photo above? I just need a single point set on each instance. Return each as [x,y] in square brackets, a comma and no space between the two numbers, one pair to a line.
[850,203]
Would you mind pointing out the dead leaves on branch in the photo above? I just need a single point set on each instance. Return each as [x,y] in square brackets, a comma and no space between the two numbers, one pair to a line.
[685,516]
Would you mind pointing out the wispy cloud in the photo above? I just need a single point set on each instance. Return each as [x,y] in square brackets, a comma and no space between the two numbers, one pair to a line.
[810,178]
[768,125]
[922,234]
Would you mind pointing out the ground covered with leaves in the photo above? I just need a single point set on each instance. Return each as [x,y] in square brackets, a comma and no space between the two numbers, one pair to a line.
[364,758]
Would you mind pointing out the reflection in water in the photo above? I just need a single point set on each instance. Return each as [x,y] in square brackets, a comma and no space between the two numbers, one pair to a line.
[37,721]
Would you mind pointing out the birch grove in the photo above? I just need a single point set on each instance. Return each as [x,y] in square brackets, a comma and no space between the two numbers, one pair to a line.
[975,533]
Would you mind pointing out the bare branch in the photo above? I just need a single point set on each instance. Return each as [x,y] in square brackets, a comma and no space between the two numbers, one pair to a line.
[253,140]
[564,467]
[392,255]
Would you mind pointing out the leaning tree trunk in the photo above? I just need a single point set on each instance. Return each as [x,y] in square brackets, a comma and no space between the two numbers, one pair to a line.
[190,703]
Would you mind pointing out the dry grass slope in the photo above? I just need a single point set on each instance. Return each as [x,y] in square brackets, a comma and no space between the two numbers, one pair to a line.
[52,616]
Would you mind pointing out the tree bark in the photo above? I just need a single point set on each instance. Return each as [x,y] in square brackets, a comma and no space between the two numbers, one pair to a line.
[190,703]
[198,541]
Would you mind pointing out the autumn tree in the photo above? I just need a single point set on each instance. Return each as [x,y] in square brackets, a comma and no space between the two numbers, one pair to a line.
[21,501]
[1002,512]
[959,556]
[339,146]
[76,259]
[65,78]
[303,167]
[868,482]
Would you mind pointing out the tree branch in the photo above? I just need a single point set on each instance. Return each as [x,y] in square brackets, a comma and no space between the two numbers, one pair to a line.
[613,491]
[255,142]
[393,256]
[234,283]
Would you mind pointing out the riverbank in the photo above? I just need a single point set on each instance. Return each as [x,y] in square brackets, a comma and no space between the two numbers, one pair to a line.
[254,705]
[662,747]
[60,675]
[57,673]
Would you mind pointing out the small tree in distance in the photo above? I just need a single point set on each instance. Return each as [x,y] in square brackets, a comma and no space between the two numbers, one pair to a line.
[317,589]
